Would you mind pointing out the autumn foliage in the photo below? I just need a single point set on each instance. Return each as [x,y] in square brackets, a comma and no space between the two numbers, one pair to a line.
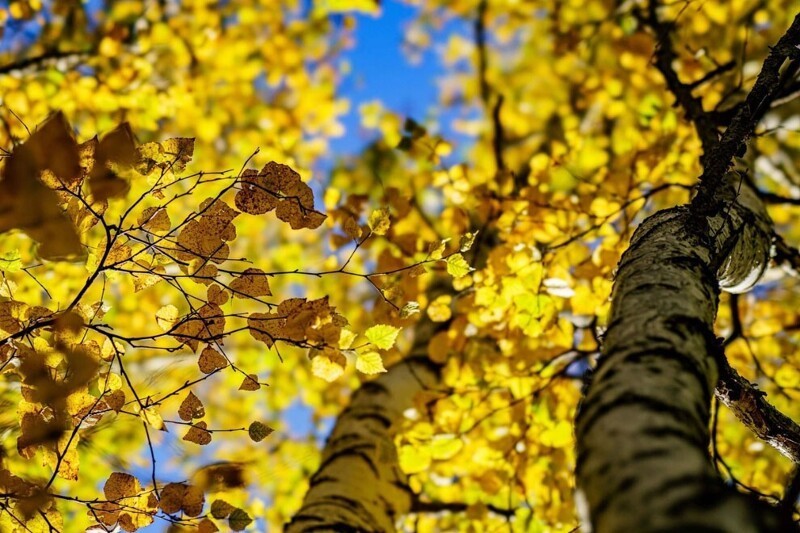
[195,288]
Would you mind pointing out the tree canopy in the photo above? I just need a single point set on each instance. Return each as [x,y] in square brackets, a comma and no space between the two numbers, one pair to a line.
[210,320]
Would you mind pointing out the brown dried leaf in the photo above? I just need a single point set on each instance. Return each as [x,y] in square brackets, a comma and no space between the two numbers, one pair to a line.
[250,383]
[265,327]
[216,295]
[208,324]
[254,197]
[207,526]
[251,283]
[172,497]
[191,408]
[115,400]
[278,186]
[205,237]
[116,149]
[193,500]
[198,434]
[121,485]
[27,204]
[211,360]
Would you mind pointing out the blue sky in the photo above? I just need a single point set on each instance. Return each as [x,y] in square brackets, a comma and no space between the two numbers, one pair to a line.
[380,71]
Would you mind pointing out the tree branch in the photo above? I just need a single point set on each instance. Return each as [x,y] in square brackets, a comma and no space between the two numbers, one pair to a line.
[752,409]
[51,55]
[664,57]
[758,101]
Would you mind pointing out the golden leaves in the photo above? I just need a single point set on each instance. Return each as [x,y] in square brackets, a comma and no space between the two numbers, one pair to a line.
[300,321]
[152,418]
[457,266]
[172,155]
[155,219]
[439,309]
[346,6]
[328,365]
[278,187]
[166,317]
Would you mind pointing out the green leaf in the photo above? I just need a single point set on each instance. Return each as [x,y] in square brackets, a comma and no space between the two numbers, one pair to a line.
[382,336]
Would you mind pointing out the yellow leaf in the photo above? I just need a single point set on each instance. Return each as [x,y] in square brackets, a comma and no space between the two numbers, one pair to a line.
[414,459]
[370,363]
[345,6]
[382,336]
[379,221]
[346,338]
[166,317]
[445,447]
[153,418]
[787,376]
[439,309]
[323,367]
[437,249]
[457,266]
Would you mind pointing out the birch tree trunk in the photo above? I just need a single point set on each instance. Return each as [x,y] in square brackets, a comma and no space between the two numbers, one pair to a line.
[643,437]
[359,485]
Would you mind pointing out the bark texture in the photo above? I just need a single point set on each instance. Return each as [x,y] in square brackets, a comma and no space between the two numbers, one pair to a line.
[643,430]
[359,485]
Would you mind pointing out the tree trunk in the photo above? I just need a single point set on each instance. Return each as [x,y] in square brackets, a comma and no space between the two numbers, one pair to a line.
[359,485]
[643,462]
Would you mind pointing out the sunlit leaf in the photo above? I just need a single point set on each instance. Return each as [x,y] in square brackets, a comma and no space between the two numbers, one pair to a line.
[382,336]
[370,363]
